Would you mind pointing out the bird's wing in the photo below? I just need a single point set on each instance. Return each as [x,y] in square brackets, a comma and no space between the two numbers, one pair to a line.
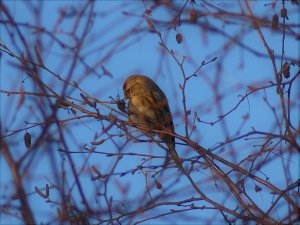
[163,116]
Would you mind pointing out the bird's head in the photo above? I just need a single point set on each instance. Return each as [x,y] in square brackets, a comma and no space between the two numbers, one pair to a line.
[135,84]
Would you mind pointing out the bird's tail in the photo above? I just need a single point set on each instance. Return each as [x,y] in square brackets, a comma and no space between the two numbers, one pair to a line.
[174,156]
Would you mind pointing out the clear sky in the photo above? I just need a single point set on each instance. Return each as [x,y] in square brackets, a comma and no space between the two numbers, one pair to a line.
[120,41]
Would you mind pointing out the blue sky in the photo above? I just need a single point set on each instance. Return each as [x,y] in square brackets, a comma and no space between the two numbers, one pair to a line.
[119,39]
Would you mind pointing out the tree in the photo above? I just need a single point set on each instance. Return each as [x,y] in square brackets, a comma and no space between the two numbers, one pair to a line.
[230,72]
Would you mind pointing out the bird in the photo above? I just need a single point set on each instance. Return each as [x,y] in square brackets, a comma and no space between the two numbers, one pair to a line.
[148,108]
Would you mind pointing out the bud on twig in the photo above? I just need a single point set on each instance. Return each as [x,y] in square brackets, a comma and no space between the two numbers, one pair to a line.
[158,185]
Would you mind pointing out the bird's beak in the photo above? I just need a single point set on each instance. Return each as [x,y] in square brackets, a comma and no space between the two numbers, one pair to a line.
[125,94]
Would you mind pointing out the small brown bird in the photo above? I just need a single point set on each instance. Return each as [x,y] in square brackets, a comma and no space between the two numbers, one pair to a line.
[148,107]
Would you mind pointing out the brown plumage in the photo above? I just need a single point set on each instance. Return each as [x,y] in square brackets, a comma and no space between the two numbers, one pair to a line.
[148,107]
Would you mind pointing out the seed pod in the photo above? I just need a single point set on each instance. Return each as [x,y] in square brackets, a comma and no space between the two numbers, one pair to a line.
[179,38]
[286,70]
[275,22]
[27,140]
[283,13]
[121,105]
[193,16]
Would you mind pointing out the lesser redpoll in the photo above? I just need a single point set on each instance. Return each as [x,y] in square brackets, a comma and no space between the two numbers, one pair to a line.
[148,109]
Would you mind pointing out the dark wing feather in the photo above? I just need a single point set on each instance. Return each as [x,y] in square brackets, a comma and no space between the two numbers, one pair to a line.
[163,118]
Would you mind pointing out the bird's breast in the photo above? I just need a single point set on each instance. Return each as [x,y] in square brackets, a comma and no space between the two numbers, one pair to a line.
[143,107]
[140,103]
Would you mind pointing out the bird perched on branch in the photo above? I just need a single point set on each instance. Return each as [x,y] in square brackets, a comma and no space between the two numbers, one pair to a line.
[148,109]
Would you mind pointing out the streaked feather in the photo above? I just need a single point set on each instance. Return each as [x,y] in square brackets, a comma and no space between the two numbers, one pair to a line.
[148,106]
